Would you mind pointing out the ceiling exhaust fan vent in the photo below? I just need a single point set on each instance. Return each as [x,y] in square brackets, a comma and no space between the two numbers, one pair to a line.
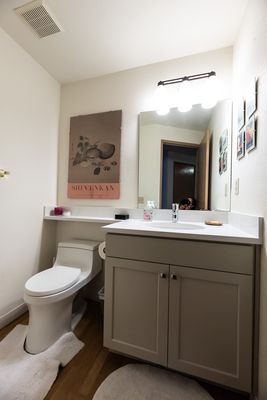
[39,18]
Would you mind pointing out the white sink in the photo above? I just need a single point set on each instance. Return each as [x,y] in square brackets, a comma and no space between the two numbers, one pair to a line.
[174,225]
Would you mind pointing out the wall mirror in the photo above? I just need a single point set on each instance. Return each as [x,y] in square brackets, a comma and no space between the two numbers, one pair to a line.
[186,155]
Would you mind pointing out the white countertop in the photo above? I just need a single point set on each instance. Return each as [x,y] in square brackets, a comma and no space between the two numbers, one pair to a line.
[186,230]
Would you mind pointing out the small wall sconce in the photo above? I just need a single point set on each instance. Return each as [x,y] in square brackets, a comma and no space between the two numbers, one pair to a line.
[185,93]
[4,173]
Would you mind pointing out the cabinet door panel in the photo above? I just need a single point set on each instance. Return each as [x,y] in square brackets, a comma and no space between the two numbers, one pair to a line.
[210,325]
[136,308]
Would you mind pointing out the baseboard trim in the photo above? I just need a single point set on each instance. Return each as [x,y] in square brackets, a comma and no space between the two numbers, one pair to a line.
[13,314]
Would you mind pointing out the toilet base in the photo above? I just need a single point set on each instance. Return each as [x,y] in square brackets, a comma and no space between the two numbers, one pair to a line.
[78,314]
[47,323]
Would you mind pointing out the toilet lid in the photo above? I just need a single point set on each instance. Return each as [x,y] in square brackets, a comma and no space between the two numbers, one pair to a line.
[52,280]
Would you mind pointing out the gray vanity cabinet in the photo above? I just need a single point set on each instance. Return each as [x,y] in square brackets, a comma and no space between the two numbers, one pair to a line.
[136,308]
[210,325]
[186,305]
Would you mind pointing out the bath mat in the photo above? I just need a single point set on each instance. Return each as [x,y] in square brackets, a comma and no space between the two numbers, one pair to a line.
[144,382]
[25,376]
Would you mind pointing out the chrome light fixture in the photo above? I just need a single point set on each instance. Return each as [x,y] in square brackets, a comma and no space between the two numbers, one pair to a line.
[4,173]
[186,93]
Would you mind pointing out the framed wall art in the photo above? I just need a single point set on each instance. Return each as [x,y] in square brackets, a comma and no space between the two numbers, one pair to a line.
[220,164]
[224,140]
[240,148]
[241,114]
[250,134]
[251,98]
[223,144]
[224,161]
[94,156]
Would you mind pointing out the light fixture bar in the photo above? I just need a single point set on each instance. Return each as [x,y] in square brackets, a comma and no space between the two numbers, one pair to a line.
[4,173]
[187,78]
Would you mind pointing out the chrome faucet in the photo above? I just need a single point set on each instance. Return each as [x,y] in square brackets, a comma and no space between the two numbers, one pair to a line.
[175,209]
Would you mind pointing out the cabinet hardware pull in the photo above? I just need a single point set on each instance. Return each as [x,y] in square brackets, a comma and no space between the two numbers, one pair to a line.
[162,275]
[174,277]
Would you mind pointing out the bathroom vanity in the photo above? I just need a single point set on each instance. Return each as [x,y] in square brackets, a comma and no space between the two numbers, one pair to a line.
[184,298]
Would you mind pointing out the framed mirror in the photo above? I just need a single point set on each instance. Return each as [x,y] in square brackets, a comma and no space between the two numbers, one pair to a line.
[186,155]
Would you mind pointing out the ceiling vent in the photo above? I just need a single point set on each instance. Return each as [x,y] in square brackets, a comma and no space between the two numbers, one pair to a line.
[36,15]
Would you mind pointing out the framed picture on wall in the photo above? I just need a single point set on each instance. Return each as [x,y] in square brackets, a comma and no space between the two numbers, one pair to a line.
[224,140]
[94,156]
[224,161]
[220,145]
[240,142]
[221,164]
[250,134]
[251,98]
[241,114]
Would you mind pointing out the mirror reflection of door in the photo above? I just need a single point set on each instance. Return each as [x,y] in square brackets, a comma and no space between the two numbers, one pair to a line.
[183,181]
[203,172]
[185,172]
[179,162]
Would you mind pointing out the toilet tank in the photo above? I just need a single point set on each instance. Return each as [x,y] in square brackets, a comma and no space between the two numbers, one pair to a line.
[81,254]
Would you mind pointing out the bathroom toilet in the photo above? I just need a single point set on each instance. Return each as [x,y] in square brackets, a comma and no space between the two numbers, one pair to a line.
[50,293]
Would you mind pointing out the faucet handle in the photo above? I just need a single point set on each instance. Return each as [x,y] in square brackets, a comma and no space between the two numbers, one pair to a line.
[175,207]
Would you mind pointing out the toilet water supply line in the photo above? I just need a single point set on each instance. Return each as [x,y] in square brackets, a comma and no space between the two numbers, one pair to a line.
[4,173]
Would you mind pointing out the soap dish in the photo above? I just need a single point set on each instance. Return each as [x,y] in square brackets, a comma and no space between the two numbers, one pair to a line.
[213,223]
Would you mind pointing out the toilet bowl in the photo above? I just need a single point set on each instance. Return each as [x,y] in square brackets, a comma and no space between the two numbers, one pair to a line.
[49,294]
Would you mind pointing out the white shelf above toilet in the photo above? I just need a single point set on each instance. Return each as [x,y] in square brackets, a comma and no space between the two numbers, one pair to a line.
[75,218]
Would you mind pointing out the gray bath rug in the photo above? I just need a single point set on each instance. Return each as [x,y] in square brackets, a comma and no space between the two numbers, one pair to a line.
[144,382]
[25,376]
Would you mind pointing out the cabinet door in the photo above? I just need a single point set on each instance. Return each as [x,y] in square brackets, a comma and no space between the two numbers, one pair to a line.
[136,308]
[210,325]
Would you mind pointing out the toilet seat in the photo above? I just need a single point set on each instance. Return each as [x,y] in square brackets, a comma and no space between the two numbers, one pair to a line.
[52,280]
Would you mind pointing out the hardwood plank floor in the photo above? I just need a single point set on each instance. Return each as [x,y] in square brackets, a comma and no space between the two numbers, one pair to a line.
[82,376]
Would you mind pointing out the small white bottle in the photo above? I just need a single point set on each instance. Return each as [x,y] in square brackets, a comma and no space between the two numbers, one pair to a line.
[148,210]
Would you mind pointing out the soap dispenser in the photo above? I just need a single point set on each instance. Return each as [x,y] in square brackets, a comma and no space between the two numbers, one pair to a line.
[148,210]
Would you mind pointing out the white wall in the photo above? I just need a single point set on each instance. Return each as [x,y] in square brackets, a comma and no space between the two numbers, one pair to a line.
[29,112]
[133,92]
[220,185]
[250,60]
[150,156]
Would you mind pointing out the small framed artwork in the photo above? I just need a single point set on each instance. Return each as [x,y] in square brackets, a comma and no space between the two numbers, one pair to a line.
[224,161]
[241,114]
[250,134]
[240,149]
[224,140]
[251,99]
[220,145]
[221,164]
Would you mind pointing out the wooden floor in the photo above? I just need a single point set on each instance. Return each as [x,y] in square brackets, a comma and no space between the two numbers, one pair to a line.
[82,376]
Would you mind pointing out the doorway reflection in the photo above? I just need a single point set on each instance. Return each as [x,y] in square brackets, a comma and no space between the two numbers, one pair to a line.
[179,180]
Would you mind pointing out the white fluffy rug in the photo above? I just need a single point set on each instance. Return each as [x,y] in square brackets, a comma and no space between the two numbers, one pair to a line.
[144,382]
[29,377]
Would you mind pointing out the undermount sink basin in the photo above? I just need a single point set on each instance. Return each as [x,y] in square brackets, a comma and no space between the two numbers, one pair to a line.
[174,225]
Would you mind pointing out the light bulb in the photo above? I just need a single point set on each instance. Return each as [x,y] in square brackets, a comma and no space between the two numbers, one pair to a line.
[162,103]
[185,97]
[210,92]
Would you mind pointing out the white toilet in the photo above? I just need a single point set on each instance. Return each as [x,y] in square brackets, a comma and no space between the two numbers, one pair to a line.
[50,293]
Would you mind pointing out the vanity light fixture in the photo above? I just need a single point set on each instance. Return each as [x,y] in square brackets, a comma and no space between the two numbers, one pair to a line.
[185,92]
[4,173]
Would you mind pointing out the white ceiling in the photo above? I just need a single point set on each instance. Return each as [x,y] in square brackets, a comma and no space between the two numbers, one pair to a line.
[105,36]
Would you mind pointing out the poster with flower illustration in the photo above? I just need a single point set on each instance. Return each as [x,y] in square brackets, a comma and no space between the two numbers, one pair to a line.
[94,156]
